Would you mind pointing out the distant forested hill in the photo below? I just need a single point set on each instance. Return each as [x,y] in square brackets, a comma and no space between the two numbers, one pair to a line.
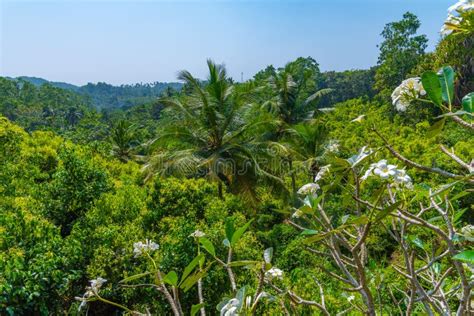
[106,96]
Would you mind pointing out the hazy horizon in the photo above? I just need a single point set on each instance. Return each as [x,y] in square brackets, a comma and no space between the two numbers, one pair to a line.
[121,42]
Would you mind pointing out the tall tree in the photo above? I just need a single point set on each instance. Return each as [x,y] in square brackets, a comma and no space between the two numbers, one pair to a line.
[213,133]
[399,52]
[295,91]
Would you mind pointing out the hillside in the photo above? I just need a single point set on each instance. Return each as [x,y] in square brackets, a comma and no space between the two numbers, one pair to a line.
[107,96]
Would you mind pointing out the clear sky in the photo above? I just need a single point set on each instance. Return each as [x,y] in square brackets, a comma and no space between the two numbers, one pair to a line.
[145,41]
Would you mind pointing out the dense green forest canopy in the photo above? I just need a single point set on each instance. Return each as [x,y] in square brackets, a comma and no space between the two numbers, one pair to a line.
[106,96]
[298,192]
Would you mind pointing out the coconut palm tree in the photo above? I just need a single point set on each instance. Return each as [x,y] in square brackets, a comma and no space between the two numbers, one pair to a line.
[306,143]
[214,133]
[295,92]
[124,140]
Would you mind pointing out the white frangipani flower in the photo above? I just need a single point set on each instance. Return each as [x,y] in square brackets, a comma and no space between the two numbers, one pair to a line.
[350,298]
[274,273]
[407,91]
[309,189]
[322,172]
[140,248]
[197,234]
[91,291]
[386,171]
[455,18]
[460,6]
[230,309]
[401,178]
[468,232]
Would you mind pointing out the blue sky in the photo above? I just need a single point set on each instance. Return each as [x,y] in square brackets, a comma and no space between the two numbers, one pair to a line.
[145,41]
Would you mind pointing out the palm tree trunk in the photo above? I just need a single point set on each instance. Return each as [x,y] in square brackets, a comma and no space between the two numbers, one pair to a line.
[293,180]
[219,190]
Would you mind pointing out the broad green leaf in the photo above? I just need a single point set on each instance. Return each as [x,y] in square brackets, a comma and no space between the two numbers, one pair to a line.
[190,267]
[416,241]
[436,128]
[171,278]
[239,232]
[460,195]
[468,103]
[444,188]
[241,294]
[207,244]
[268,255]
[135,277]
[356,221]
[194,278]
[229,228]
[446,77]
[309,232]
[195,308]
[386,211]
[459,214]
[465,256]
[226,242]
[457,113]
[432,86]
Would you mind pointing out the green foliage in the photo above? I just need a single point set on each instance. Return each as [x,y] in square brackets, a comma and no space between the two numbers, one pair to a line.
[76,195]
[75,186]
[400,52]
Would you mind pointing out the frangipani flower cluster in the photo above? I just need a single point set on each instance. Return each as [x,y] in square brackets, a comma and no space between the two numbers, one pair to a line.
[386,171]
[410,89]
[454,19]
[274,273]
[140,248]
[91,291]
[309,189]
[312,188]
[468,232]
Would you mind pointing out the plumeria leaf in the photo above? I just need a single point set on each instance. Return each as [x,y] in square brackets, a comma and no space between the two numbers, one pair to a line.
[468,103]
[171,278]
[432,86]
[190,267]
[135,277]
[444,188]
[239,232]
[386,211]
[195,308]
[226,242]
[446,77]
[360,220]
[207,244]
[309,232]
[241,295]
[459,214]
[268,255]
[194,278]
[465,256]
[436,128]
[457,113]
[415,240]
